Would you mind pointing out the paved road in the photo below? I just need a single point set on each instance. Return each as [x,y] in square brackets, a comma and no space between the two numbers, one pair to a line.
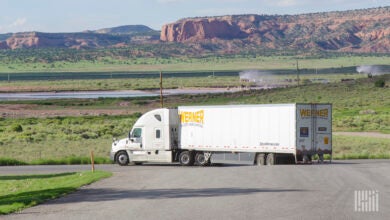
[229,192]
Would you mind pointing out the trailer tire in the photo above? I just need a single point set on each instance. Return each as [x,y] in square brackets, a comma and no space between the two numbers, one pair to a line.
[320,158]
[186,158]
[122,158]
[305,159]
[260,160]
[200,159]
[270,160]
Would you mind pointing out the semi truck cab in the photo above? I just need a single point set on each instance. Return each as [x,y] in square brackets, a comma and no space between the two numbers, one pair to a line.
[152,139]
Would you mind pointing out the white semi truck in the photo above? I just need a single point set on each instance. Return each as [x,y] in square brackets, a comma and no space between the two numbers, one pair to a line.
[251,134]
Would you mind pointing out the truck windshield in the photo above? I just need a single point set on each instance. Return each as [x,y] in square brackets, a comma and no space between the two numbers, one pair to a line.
[137,132]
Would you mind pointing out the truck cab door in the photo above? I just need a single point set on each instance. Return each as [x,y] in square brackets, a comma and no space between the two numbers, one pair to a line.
[135,138]
[136,144]
[156,151]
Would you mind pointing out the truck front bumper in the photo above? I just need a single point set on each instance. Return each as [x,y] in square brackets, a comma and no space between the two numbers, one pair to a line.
[112,156]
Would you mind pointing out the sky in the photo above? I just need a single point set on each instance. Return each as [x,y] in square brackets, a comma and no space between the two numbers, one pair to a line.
[80,15]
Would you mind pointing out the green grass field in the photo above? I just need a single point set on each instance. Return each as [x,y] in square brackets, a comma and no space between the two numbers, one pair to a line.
[23,191]
[109,64]
[168,83]
[36,139]
[346,147]
[357,106]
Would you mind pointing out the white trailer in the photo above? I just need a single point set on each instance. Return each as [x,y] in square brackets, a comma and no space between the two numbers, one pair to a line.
[252,134]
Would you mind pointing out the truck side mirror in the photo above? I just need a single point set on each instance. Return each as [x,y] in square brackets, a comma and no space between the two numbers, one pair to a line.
[129,135]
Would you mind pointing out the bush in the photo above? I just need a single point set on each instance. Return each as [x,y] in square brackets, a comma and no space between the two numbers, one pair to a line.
[11,162]
[380,83]
[17,128]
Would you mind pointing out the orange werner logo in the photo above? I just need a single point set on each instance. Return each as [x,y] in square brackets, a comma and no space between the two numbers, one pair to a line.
[314,113]
[192,117]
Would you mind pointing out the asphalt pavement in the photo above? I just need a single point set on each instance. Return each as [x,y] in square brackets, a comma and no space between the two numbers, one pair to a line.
[318,191]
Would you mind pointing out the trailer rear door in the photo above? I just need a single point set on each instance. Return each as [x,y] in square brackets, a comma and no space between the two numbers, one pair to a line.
[314,129]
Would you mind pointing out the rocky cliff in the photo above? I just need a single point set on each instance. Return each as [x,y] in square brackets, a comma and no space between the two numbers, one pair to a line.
[108,37]
[200,29]
[67,40]
[366,30]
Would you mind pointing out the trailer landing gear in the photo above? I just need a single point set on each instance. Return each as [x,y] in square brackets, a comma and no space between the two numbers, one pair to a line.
[270,160]
[260,160]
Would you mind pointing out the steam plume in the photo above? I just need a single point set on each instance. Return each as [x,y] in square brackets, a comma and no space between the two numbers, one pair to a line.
[256,76]
[372,69]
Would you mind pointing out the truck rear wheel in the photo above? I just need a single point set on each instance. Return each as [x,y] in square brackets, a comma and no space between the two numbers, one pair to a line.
[186,158]
[200,159]
[260,159]
[122,158]
[270,159]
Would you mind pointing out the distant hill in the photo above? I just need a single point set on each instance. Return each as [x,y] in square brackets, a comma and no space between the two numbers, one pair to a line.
[107,37]
[356,31]
[126,29]
[5,36]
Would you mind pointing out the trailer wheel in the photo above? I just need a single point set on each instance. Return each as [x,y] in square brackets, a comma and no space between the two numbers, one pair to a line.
[186,158]
[270,160]
[305,159]
[260,159]
[122,158]
[200,159]
[320,158]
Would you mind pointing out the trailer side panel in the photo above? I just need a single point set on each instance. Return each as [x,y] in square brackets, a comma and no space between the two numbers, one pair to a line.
[239,128]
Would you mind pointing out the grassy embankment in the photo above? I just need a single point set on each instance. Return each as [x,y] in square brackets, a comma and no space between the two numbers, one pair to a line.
[153,83]
[208,64]
[22,191]
[357,106]
[109,64]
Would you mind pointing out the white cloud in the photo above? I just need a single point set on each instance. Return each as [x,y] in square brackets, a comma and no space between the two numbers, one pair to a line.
[286,3]
[168,1]
[18,22]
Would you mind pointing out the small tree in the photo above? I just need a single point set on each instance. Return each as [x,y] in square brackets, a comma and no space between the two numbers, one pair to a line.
[17,128]
[380,83]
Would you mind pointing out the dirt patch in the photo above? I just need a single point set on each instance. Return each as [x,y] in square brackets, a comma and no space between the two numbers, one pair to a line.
[26,110]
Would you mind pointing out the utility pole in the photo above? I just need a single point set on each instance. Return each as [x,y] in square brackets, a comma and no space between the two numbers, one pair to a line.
[161,91]
[297,73]
[8,78]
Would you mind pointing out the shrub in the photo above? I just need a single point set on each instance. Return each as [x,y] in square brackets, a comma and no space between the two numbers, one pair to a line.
[17,128]
[380,83]
[11,162]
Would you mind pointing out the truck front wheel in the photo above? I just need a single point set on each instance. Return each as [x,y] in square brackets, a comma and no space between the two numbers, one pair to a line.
[122,158]
[186,158]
